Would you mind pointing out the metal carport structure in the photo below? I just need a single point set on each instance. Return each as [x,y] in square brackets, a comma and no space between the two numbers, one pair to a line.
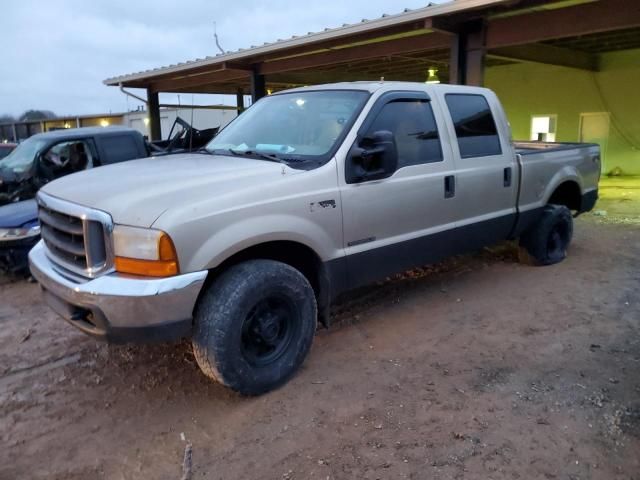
[460,38]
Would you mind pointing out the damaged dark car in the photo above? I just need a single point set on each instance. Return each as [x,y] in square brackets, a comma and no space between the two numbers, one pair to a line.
[45,157]
[48,156]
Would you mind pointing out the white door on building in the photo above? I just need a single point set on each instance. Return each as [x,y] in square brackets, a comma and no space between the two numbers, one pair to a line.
[594,128]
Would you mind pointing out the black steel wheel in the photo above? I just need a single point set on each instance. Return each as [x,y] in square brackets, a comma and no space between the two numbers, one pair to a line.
[546,243]
[268,330]
[254,326]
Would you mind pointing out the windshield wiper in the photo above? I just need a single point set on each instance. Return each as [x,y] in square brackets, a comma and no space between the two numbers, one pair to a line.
[264,156]
[253,153]
[203,150]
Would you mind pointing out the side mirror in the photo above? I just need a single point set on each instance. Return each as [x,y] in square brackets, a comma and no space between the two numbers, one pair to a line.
[374,157]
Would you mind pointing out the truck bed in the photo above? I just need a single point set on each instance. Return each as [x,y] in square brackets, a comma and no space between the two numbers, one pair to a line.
[524,147]
[543,165]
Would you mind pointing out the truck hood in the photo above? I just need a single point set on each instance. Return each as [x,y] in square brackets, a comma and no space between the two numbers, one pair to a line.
[139,191]
[18,214]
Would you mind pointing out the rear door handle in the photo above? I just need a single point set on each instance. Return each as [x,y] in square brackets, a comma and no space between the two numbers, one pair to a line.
[507,177]
[449,186]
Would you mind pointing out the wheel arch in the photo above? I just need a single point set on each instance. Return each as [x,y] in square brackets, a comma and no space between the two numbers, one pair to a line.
[567,193]
[293,253]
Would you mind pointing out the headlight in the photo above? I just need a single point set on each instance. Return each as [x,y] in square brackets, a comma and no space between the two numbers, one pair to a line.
[144,251]
[20,233]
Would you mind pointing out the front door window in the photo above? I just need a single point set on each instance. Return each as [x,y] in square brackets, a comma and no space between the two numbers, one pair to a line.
[65,158]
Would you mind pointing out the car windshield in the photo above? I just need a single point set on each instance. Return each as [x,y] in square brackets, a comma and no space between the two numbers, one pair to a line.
[21,159]
[5,150]
[292,126]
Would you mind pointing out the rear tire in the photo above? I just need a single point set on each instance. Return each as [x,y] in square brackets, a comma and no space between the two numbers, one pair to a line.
[547,241]
[254,326]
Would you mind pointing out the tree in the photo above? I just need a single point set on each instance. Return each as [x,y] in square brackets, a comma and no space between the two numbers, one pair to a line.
[5,118]
[36,115]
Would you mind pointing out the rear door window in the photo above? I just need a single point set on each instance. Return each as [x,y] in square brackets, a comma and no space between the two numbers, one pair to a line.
[118,148]
[474,124]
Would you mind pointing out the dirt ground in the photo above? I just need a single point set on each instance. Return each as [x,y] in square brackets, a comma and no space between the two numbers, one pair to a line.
[478,367]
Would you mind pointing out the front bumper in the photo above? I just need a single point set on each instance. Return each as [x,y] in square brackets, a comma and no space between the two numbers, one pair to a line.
[120,308]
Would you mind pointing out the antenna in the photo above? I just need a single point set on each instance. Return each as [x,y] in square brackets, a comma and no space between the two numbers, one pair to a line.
[191,130]
[215,37]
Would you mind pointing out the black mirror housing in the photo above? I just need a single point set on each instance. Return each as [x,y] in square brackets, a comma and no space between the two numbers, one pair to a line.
[374,157]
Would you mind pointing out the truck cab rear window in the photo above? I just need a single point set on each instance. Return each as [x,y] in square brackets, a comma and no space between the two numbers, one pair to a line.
[474,124]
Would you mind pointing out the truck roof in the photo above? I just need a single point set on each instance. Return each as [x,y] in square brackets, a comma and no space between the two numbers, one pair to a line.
[371,87]
[84,132]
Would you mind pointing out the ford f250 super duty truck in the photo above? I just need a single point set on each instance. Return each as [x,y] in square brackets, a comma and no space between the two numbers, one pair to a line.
[309,193]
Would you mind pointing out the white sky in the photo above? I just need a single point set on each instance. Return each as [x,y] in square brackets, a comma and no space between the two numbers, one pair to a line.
[55,54]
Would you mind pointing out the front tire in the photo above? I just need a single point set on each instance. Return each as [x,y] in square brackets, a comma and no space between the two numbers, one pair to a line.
[254,326]
[546,243]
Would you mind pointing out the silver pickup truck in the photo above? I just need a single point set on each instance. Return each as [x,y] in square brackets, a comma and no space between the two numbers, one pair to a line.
[309,193]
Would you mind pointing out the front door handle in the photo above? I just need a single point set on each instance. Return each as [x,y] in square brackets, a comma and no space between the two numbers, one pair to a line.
[449,186]
[506,179]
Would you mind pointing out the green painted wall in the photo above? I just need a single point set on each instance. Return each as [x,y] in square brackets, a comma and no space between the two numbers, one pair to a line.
[528,89]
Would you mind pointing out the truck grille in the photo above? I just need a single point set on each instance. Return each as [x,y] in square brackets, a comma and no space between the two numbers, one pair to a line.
[76,238]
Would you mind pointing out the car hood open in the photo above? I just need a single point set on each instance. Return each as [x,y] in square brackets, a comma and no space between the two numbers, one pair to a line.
[139,191]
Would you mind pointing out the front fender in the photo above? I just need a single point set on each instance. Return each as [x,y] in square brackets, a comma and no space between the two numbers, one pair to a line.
[252,231]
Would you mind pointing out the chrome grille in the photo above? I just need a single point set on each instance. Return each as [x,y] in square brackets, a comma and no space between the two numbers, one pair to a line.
[64,236]
[77,238]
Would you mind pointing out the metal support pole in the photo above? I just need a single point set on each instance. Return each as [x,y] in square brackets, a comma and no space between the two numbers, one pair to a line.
[455,70]
[476,54]
[258,85]
[240,100]
[153,107]
[468,53]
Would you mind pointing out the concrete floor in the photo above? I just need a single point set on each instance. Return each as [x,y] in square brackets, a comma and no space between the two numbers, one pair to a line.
[478,367]
[619,200]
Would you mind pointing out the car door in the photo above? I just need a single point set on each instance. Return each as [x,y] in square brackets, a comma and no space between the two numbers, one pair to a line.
[394,223]
[486,169]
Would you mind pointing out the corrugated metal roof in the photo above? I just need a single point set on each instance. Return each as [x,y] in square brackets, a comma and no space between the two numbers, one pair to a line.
[407,15]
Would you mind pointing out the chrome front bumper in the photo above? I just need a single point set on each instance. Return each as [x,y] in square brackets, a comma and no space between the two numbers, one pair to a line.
[120,308]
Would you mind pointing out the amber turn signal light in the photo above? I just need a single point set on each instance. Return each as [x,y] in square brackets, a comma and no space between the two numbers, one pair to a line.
[165,265]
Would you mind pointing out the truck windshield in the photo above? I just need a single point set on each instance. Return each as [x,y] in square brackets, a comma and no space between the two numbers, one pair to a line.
[22,158]
[292,126]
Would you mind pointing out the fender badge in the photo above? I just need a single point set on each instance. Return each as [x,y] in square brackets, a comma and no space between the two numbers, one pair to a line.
[323,204]
[327,203]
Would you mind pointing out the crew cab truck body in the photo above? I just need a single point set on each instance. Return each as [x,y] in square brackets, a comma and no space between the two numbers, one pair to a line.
[307,194]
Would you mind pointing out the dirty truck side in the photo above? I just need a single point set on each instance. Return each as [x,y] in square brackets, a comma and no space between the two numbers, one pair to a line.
[307,194]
